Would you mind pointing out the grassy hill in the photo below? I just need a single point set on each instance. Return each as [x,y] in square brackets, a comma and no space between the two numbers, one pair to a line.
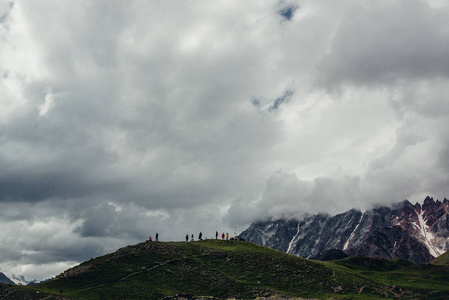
[424,281]
[235,269]
[441,260]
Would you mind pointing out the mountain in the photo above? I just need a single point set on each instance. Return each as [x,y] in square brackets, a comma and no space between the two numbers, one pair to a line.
[417,233]
[20,280]
[216,269]
[5,279]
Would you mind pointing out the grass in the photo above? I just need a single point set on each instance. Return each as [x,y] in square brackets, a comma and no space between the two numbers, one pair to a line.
[425,281]
[441,260]
[235,269]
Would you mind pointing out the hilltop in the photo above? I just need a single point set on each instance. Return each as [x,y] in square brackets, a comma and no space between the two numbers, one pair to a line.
[222,269]
[236,269]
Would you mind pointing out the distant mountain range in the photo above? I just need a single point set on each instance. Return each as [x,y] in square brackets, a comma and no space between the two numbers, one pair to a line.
[18,280]
[417,233]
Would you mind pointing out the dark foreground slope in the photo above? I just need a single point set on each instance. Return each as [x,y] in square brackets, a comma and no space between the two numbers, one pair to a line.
[20,292]
[232,269]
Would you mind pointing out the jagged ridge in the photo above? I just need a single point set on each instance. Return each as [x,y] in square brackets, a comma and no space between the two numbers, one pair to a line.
[417,233]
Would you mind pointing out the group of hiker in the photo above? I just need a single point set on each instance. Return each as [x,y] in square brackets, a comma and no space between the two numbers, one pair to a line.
[200,237]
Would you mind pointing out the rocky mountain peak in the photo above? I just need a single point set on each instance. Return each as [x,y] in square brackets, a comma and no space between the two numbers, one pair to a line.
[428,203]
[418,207]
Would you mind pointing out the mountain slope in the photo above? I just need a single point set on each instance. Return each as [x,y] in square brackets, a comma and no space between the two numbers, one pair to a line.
[405,231]
[5,279]
[221,269]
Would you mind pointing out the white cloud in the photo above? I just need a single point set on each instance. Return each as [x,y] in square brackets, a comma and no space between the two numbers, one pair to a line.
[48,103]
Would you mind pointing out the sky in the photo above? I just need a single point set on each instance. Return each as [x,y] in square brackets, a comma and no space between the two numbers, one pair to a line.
[120,119]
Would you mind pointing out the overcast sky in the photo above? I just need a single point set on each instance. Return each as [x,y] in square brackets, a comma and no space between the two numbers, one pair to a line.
[120,119]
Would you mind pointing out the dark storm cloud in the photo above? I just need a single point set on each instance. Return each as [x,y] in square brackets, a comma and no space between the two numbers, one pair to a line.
[98,222]
[107,220]
[42,185]
[45,253]
[10,253]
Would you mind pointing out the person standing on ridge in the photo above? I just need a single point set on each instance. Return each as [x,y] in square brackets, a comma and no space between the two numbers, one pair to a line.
[192,237]
[200,236]
[222,236]
[157,237]
[227,236]
[150,239]
[187,237]
[216,234]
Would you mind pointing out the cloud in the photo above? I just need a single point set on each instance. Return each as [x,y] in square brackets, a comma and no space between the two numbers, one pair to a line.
[286,196]
[129,221]
[387,43]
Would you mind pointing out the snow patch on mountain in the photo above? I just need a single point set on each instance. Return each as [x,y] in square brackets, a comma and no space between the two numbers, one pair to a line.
[352,234]
[292,241]
[427,234]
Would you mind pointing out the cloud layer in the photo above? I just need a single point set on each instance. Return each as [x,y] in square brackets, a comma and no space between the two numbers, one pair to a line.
[119,120]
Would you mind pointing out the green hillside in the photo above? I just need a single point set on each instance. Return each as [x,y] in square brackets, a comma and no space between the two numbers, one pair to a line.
[424,281]
[441,260]
[235,269]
